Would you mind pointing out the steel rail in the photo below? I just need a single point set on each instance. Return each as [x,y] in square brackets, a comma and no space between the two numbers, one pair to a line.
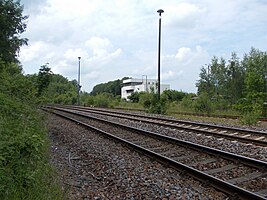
[264,119]
[201,176]
[174,120]
[234,157]
[162,122]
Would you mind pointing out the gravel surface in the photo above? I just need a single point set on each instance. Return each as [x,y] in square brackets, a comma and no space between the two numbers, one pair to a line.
[236,147]
[177,153]
[261,126]
[91,166]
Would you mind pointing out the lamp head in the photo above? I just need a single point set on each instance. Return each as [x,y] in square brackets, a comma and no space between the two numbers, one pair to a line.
[160,11]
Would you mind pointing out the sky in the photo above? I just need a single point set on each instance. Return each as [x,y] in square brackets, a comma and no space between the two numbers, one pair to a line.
[119,38]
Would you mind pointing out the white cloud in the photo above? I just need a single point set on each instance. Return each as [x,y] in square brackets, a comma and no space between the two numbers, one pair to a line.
[182,68]
[102,51]
[69,9]
[99,46]
[171,75]
[36,50]
[186,55]
[183,53]
[118,38]
[73,54]
[183,15]
[92,75]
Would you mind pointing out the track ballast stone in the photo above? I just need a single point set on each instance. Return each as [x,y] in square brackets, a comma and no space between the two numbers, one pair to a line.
[94,167]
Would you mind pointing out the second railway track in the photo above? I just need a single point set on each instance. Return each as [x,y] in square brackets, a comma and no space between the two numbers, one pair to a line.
[234,174]
[231,133]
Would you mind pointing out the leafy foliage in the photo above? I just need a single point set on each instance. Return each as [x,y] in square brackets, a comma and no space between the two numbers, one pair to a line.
[112,87]
[25,172]
[12,23]
[152,104]
[203,104]
[173,95]
[43,78]
[103,100]
[135,97]
[240,83]
[53,88]
[15,84]
[61,90]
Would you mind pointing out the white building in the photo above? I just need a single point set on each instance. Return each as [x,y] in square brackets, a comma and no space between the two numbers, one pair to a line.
[140,85]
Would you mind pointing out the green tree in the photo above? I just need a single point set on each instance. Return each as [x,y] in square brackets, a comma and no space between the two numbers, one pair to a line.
[256,70]
[112,87]
[255,81]
[217,78]
[240,84]
[220,79]
[203,83]
[43,78]
[173,95]
[14,83]
[213,78]
[234,87]
[12,24]
[60,90]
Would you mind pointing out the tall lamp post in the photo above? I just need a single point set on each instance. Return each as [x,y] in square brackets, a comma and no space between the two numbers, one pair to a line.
[79,85]
[159,11]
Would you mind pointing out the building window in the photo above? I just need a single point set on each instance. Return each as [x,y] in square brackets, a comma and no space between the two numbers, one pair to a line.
[129,91]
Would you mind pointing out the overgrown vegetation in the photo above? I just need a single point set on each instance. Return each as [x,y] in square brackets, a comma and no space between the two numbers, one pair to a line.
[25,172]
[238,84]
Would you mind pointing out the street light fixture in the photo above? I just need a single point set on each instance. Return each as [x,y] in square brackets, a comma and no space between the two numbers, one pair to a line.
[79,85]
[159,11]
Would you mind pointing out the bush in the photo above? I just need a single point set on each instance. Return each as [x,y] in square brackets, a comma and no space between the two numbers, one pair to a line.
[251,113]
[250,110]
[103,100]
[203,104]
[25,172]
[134,97]
[187,102]
[152,104]
[249,119]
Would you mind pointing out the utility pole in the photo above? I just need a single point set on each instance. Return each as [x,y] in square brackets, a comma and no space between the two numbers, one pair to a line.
[159,11]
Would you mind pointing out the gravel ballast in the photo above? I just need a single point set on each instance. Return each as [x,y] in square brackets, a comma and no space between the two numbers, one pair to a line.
[248,150]
[91,166]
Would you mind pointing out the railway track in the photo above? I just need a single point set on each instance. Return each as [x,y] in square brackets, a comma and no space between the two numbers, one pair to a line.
[194,114]
[238,176]
[230,133]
